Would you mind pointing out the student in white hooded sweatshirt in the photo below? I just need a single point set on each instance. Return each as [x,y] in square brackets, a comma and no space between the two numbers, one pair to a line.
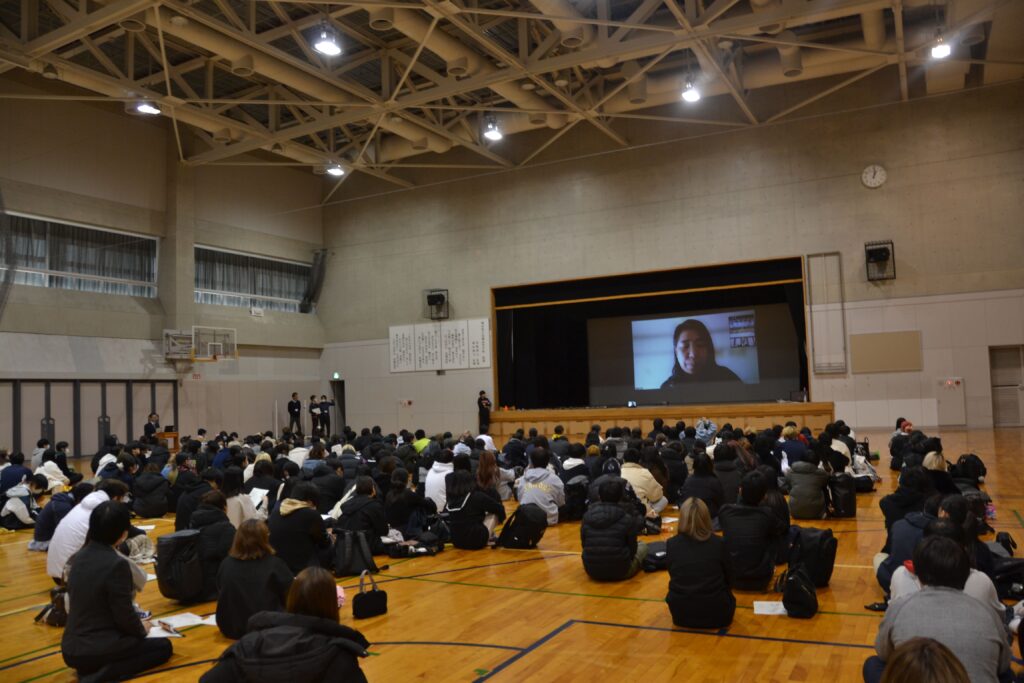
[433,487]
[70,535]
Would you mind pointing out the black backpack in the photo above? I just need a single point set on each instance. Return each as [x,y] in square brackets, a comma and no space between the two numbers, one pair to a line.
[969,468]
[179,569]
[352,555]
[798,595]
[815,550]
[842,492]
[524,528]
[657,557]
[576,491]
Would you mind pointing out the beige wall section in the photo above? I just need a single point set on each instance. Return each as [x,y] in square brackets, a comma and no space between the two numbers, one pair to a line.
[955,166]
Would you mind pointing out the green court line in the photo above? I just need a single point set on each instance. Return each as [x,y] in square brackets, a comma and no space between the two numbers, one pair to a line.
[871,615]
[30,652]
[45,675]
[1019,518]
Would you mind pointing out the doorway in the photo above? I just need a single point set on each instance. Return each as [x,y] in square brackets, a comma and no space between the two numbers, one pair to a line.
[1007,370]
[338,389]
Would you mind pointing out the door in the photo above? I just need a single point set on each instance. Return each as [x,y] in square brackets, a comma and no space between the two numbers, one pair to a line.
[1007,368]
[338,389]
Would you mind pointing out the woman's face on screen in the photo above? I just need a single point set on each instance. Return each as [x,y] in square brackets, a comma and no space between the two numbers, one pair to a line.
[691,351]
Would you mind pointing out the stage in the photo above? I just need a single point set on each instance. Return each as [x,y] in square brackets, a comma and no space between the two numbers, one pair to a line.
[577,421]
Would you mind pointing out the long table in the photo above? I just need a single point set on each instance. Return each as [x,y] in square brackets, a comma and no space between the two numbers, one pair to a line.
[577,421]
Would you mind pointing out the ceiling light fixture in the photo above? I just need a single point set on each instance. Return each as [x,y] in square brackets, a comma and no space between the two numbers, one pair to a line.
[335,170]
[327,41]
[941,49]
[690,92]
[491,130]
[147,107]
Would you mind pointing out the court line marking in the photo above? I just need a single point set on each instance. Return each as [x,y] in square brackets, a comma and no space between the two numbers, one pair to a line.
[153,672]
[1019,518]
[445,643]
[721,633]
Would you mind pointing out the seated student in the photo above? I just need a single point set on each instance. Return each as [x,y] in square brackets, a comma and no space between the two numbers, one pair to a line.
[700,572]
[750,531]
[20,507]
[776,502]
[978,585]
[123,467]
[263,478]
[69,536]
[329,478]
[215,537]
[646,487]
[727,469]
[957,509]
[793,449]
[496,481]
[473,514]
[675,462]
[935,465]
[924,659]
[55,479]
[240,505]
[913,489]
[297,530]
[149,493]
[942,611]
[105,640]
[906,534]
[15,473]
[364,511]
[704,484]
[210,480]
[310,626]
[434,484]
[541,486]
[251,579]
[61,458]
[56,510]
[611,551]
[406,509]
[806,483]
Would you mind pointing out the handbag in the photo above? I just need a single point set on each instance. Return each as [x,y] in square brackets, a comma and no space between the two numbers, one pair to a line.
[798,594]
[369,603]
[55,614]
[652,525]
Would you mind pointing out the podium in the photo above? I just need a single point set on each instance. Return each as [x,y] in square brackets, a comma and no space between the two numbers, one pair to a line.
[172,441]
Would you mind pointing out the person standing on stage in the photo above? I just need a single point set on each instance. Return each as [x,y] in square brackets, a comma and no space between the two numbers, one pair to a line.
[295,414]
[314,415]
[325,416]
[152,424]
[483,406]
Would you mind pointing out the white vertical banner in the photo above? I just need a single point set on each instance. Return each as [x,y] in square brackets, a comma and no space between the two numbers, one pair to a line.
[479,334]
[455,345]
[403,348]
[428,346]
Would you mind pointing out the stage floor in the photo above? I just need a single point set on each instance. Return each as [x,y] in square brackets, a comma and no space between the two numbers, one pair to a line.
[535,615]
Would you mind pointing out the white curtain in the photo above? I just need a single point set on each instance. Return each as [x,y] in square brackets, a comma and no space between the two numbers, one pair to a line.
[227,279]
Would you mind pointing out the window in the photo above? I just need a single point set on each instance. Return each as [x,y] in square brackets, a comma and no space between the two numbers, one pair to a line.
[230,279]
[46,253]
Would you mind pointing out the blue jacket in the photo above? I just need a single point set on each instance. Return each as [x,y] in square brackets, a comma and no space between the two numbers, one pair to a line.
[12,475]
[49,518]
[220,460]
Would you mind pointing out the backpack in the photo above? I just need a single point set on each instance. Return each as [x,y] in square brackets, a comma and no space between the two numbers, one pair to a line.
[798,595]
[524,528]
[55,613]
[969,467]
[842,492]
[657,557]
[576,491]
[352,555]
[1008,577]
[179,569]
[815,550]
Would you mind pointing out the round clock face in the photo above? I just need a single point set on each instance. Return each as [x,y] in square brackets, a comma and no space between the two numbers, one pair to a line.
[873,176]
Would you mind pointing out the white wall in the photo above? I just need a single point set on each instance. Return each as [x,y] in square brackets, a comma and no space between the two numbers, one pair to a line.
[373,394]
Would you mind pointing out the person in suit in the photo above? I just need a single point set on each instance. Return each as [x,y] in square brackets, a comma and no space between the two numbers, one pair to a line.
[152,424]
[295,414]
[105,640]
[325,416]
[314,415]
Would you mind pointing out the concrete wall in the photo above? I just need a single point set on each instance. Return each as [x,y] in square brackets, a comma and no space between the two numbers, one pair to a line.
[952,205]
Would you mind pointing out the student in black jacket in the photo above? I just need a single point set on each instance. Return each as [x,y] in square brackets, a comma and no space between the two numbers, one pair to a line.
[297,530]
[675,461]
[295,414]
[704,484]
[473,515]
[406,509]
[700,572]
[62,462]
[776,502]
[750,531]
[251,579]
[329,479]
[365,512]
[611,551]
[306,643]
[915,486]
[216,534]
[149,492]
[727,469]
[210,480]
[104,639]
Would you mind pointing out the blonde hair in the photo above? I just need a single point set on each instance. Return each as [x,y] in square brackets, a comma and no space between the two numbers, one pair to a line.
[789,432]
[935,461]
[694,519]
[263,456]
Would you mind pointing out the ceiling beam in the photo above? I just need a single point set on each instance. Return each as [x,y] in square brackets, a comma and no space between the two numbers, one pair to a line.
[84,25]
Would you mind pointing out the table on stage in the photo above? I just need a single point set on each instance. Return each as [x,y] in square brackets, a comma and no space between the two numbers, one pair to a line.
[577,421]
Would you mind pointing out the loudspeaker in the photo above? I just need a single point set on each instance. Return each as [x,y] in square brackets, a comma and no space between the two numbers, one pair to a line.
[879,258]
[435,299]
[877,254]
[436,304]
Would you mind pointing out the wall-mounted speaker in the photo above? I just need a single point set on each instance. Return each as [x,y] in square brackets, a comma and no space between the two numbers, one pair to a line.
[437,304]
[880,260]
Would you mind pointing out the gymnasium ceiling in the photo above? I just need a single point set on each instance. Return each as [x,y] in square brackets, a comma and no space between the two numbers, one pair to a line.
[418,80]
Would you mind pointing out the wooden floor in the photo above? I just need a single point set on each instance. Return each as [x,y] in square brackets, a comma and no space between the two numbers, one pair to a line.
[534,614]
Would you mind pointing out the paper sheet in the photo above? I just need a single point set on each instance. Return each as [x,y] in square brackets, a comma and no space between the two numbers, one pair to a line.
[180,621]
[669,520]
[256,496]
[769,607]
[150,577]
[157,632]
[146,527]
[210,620]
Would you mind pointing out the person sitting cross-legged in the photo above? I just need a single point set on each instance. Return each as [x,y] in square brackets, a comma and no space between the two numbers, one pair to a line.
[541,486]
[647,488]
[750,530]
[611,551]
[700,572]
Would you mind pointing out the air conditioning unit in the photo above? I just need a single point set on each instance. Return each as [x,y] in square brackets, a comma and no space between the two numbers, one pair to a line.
[256,311]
